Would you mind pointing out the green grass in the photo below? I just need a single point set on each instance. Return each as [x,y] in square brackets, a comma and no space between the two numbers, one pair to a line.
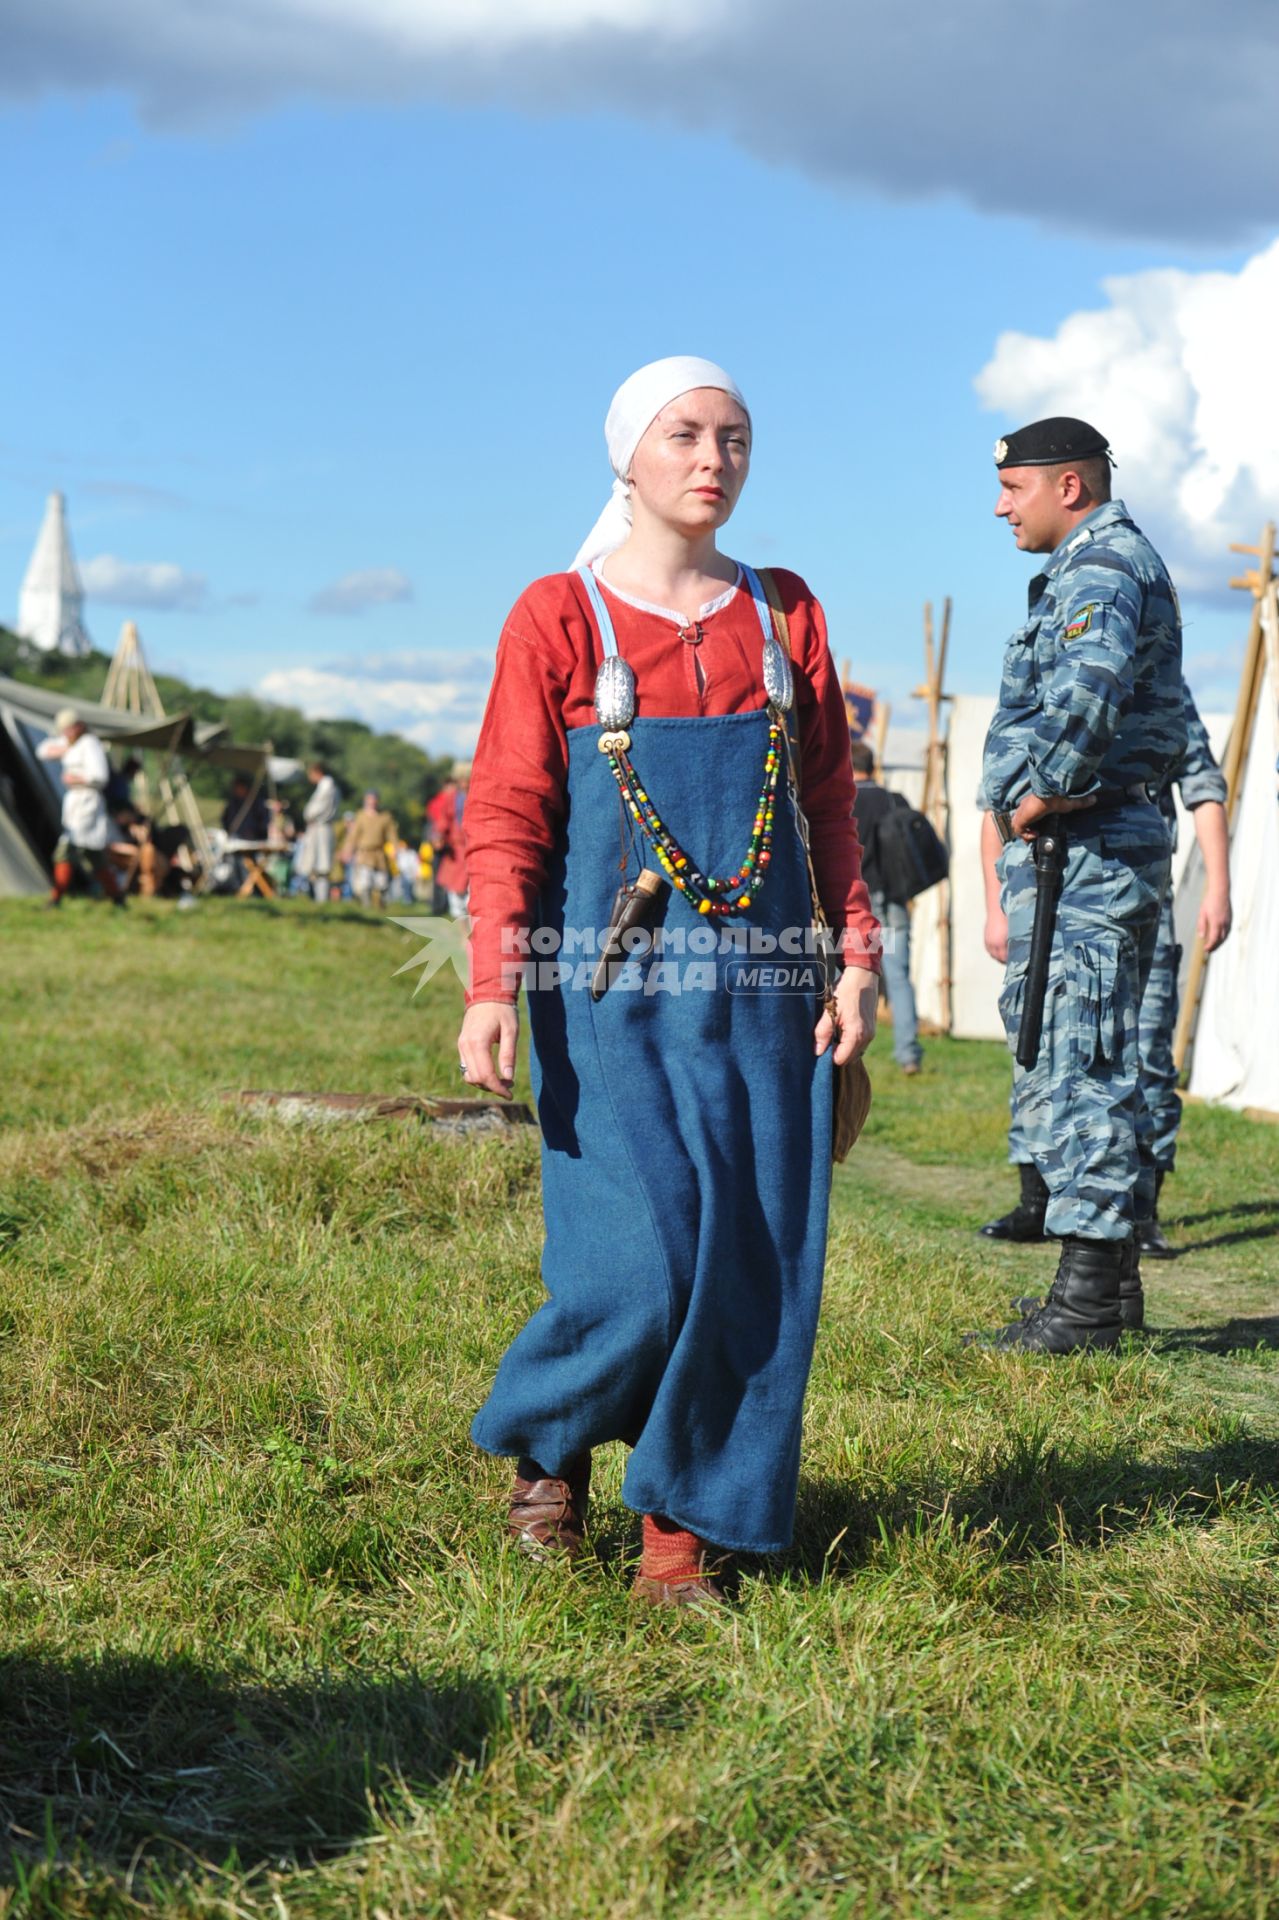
[265,1652]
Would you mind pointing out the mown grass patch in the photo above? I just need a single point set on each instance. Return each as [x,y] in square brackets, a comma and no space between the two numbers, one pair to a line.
[265,1652]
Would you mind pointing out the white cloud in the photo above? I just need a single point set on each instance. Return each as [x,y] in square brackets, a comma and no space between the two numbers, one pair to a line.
[1177,372]
[451,23]
[384,669]
[1131,118]
[156,585]
[436,702]
[357,592]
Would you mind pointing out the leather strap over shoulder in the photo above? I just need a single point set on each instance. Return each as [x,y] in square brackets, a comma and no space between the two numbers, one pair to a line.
[781,627]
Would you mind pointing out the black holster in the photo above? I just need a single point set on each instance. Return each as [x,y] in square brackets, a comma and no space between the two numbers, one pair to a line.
[1048,850]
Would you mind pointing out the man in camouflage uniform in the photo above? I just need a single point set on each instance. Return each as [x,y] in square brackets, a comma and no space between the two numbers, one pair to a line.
[1202,787]
[1089,724]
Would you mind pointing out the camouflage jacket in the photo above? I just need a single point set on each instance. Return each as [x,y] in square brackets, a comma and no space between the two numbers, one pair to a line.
[1092,694]
[1196,775]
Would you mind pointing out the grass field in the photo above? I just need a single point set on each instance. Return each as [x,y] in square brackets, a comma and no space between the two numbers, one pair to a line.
[264,1650]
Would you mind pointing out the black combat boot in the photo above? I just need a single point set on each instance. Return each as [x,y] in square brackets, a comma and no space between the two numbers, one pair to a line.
[1082,1308]
[1150,1235]
[1132,1301]
[1026,1221]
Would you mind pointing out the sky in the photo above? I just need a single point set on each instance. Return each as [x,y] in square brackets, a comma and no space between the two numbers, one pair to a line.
[314,309]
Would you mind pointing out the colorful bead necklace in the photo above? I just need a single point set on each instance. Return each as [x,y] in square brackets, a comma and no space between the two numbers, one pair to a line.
[708,893]
[615,709]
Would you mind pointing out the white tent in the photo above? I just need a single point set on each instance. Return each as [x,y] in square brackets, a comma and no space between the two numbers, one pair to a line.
[962,958]
[51,604]
[904,755]
[1236,1044]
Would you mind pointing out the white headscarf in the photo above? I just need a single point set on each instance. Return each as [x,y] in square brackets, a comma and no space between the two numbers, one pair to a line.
[636,405]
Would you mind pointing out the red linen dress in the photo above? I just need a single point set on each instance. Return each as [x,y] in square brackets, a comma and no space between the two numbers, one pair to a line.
[544,685]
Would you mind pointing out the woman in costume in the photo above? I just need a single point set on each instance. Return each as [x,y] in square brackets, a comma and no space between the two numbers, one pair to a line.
[637,726]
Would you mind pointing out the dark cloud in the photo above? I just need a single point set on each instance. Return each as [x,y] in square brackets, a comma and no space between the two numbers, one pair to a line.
[1144,117]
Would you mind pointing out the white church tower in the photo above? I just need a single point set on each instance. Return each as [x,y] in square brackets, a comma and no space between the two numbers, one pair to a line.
[50,609]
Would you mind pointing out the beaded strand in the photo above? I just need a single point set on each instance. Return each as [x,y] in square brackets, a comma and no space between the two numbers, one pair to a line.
[706,892]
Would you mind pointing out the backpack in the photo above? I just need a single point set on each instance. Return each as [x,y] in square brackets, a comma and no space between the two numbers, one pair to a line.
[910,855]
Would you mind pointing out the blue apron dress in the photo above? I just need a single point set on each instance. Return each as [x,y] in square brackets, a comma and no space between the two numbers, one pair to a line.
[686,1127]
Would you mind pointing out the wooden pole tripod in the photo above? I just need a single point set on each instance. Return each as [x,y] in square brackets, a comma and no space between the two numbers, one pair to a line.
[934,798]
[1260,582]
[130,687]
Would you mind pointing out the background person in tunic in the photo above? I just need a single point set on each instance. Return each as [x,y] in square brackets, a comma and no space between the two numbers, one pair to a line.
[86,825]
[368,849]
[246,814]
[686,1133]
[314,858]
[445,818]
[1202,787]
[1090,724]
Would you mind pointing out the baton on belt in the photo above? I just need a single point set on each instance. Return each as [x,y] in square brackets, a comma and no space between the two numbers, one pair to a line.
[1049,853]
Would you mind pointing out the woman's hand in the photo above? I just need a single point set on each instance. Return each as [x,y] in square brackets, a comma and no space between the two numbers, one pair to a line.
[485,1025]
[856,1009]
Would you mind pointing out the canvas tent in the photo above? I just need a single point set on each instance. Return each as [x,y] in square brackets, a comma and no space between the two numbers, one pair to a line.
[31,792]
[1234,1046]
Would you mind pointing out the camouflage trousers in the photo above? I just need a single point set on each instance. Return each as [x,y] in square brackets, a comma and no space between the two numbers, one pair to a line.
[1081,1112]
[1156,1030]
[1159,1009]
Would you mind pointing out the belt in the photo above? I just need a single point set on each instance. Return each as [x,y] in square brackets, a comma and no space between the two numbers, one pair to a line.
[1107,800]
[1136,794]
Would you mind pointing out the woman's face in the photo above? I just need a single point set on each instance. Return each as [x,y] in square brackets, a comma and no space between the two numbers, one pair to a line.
[692,462]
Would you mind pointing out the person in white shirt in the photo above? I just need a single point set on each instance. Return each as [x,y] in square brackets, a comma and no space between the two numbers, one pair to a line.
[315,857]
[86,826]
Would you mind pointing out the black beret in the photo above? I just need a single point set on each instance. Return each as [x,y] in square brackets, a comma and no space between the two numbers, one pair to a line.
[1050,443]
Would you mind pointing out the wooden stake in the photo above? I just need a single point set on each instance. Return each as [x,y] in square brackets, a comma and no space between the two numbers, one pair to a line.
[934,794]
[1260,584]
[1270,631]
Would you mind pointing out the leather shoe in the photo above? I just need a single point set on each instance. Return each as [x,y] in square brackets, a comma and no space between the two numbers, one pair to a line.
[547,1516]
[700,1591]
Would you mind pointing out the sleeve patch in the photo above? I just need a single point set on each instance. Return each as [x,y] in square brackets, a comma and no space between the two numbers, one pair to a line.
[1081,620]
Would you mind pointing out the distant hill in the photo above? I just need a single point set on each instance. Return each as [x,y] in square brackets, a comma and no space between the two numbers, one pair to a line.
[404,776]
